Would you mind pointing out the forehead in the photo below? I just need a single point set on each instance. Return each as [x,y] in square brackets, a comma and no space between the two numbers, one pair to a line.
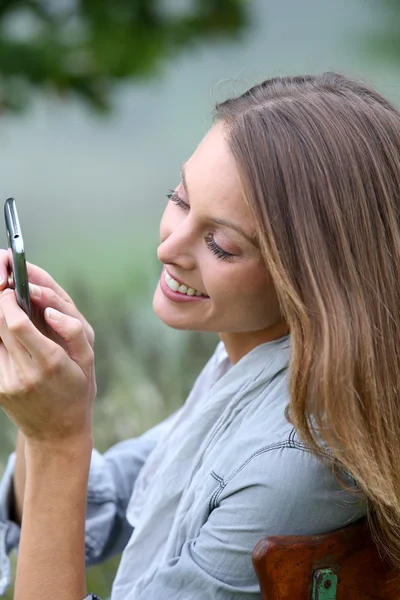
[211,173]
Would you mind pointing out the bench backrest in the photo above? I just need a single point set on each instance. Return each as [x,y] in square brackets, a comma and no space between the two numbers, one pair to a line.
[342,565]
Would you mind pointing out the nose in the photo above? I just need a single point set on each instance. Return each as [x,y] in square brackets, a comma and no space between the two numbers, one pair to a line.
[177,243]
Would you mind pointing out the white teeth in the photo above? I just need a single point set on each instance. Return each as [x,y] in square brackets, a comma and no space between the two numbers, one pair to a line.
[180,287]
[174,285]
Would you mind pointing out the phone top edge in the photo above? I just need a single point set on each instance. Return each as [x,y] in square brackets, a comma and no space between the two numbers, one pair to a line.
[11,217]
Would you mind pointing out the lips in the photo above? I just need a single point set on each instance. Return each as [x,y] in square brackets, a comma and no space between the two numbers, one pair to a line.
[172,293]
[182,282]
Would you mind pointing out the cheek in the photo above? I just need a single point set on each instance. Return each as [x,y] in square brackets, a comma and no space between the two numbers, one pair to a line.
[245,283]
[255,292]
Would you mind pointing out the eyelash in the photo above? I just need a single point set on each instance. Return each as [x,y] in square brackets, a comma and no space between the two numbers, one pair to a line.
[173,196]
[209,239]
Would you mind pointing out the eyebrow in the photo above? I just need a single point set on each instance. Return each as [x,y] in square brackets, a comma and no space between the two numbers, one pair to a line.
[251,238]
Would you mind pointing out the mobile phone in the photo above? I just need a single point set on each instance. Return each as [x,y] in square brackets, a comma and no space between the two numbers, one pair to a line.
[17,261]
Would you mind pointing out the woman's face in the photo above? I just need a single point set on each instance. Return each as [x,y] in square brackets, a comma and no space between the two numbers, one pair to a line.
[206,244]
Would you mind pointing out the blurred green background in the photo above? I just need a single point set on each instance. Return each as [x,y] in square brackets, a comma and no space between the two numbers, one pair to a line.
[100,103]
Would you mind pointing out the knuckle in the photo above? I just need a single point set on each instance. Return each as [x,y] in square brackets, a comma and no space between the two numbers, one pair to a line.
[16,387]
[90,334]
[7,387]
[5,296]
[52,362]
[90,355]
[18,325]
[56,300]
[51,296]
[27,383]
[76,328]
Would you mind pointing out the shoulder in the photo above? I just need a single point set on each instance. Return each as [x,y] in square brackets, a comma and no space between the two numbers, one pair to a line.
[292,490]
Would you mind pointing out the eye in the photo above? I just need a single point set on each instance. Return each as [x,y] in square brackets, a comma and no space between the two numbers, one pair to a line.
[209,239]
[173,196]
[215,249]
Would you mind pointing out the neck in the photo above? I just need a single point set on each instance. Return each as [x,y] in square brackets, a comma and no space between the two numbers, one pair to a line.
[238,345]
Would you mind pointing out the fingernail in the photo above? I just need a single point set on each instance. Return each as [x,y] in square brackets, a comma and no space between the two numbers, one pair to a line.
[35,290]
[52,313]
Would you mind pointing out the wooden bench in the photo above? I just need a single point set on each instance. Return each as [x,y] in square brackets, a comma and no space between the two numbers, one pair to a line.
[342,565]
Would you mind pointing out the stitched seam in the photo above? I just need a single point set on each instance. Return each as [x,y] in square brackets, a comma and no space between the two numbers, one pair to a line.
[275,446]
[217,477]
[223,484]
[291,438]
[278,445]
[214,498]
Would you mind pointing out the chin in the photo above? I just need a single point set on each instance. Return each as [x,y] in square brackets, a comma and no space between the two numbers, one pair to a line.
[172,322]
[167,314]
[175,318]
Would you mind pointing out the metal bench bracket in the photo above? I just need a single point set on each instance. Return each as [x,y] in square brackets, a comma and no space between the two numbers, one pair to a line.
[324,585]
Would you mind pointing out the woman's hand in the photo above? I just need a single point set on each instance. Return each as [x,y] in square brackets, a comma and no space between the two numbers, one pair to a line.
[47,388]
[45,292]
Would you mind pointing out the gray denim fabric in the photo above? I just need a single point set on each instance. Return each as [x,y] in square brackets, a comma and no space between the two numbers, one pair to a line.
[234,472]
[9,531]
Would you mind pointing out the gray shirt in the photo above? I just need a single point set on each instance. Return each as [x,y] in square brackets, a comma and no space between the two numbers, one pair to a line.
[188,501]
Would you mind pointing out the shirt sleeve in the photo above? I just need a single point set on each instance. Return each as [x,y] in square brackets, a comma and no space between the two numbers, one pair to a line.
[300,497]
[111,479]
[9,531]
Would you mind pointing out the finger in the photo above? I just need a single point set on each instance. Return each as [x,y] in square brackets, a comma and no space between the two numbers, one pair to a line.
[13,347]
[72,332]
[4,356]
[4,268]
[11,282]
[21,327]
[44,297]
[41,277]
[5,366]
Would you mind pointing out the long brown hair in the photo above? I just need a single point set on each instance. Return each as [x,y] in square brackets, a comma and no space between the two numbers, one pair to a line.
[319,161]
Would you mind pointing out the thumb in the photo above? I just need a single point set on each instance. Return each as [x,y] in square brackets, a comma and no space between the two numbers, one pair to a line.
[72,331]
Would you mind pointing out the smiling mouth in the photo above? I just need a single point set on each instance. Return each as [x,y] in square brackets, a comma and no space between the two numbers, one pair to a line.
[182,288]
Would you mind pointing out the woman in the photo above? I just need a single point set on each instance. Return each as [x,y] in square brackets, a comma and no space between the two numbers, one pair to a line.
[284,237]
